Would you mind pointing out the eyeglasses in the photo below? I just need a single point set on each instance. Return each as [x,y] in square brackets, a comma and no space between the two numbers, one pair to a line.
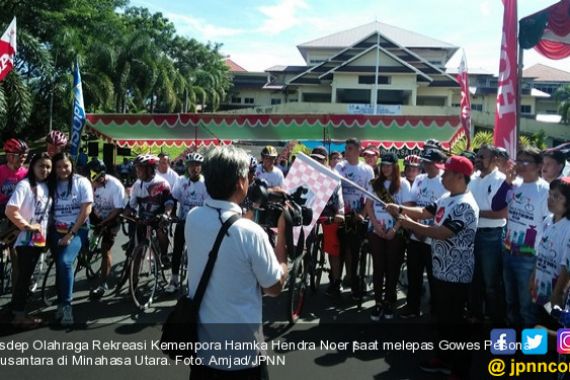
[525,162]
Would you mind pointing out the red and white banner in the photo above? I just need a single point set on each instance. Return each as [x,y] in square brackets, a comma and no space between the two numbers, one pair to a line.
[8,49]
[505,134]
[465,103]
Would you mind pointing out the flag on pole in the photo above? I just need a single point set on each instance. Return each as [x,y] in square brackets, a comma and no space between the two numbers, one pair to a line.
[8,49]
[505,133]
[78,113]
[465,103]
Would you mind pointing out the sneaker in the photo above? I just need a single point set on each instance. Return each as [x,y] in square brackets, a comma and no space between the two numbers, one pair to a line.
[388,312]
[408,313]
[376,313]
[67,318]
[172,287]
[59,312]
[99,291]
[334,289]
[435,365]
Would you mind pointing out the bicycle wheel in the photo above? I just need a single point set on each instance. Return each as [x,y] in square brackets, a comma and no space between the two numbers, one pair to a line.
[317,262]
[5,271]
[143,276]
[183,271]
[362,272]
[93,257]
[403,277]
[49,283]
[297,287]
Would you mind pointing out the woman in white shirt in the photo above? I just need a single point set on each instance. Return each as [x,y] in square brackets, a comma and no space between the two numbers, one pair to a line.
[29,208]
[72,196]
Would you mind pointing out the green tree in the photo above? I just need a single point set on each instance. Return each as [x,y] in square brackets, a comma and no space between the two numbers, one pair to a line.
[562,96]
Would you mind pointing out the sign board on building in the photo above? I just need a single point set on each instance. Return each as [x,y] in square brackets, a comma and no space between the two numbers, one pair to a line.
[368,109]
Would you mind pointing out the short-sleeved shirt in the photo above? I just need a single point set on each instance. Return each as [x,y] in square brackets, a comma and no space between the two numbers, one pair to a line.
[8,180]
[403,195]
[361,174]
[484,190]
[527,209]
[453,259]
[189,194]
[274,178]
[34,208]
[170,176]
[426,191]
[335,204]
[551,250]
[150,197]
[232,305]
[108,197]
[68,202]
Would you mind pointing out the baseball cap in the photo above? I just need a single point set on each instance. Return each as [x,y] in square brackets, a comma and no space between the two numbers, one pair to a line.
[371,150]
[459,164]
[434,156]
[320,152]
[502,152]
[388,158]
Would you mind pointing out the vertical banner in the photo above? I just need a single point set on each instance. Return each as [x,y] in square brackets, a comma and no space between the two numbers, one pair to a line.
[8,49]
[78,114]
[505,133]
[465,103]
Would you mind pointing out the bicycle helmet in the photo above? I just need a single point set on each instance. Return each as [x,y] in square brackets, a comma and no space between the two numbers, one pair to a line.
[193,157]
[16,146]
[149,160]
[269,151]
[57,138]
[97,168]
[412,160]
[433,144]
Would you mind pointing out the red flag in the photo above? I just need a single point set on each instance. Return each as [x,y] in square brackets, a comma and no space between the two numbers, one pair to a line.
[465,103]
[505,134]
[7,49]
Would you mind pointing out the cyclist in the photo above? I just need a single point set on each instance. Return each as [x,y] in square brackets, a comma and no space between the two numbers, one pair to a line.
[151,195]
[333,209]
[13,171]
[56,142]
[189,191]
[354,229]
[109,201]
[412,168]
[267,169]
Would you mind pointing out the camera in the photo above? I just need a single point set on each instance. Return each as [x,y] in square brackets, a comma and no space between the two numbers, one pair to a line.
[272,203]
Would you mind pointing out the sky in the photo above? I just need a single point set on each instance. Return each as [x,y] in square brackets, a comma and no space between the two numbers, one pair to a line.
[258,34]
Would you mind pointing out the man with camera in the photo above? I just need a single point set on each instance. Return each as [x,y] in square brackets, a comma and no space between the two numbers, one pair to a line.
[246,265]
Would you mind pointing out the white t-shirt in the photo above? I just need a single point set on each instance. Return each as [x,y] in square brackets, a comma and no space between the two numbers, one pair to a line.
[232,304]
[527,209]
[274,178]
[68,204]
[34,209]
[170,176]
[453,259]
[483,190]
[361,174]
[108,197]
[189,194]
[425,191]
[402,196]
[551,250]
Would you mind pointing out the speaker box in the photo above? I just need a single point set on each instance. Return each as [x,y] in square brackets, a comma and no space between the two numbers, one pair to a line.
[123,151]
[93,149]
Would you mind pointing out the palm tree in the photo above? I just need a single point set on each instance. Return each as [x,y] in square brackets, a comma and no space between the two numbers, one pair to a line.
[562,96]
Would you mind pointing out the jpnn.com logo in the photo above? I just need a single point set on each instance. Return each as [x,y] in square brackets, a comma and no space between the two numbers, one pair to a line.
[533,342]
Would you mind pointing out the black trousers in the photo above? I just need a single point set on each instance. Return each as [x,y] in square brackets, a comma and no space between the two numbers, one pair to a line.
[387,258]
[27,260]
[178,247]
[203,372]
[418,258]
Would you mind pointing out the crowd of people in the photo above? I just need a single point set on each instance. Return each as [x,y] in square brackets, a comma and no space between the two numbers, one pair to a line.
[491,233]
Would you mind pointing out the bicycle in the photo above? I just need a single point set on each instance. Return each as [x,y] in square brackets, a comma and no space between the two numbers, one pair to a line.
[318,261]
[145,263]
[362,260]
[6,244]
[89,257]
[297,282]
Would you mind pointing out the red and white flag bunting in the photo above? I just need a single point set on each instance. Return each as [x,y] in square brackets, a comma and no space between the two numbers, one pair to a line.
[8,49]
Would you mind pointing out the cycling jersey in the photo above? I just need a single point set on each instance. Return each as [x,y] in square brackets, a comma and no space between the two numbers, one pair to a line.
[8,180]
[150,197]
[189,194]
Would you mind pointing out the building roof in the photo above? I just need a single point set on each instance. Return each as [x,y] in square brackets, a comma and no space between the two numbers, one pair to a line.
[543,73]
[349,37]
[234,67]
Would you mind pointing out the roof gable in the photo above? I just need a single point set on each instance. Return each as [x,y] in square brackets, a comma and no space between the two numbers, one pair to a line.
[543,73]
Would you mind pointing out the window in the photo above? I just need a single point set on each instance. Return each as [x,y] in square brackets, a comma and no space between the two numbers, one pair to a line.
[248,101]
[526,109]
[369,79]
[236,99]
[477,107]
[275,102]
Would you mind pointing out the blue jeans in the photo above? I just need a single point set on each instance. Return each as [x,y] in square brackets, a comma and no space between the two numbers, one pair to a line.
[487,287]
[517,271]
[65,256]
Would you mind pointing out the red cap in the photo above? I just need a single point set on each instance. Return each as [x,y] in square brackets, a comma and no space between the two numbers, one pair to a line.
[459,164]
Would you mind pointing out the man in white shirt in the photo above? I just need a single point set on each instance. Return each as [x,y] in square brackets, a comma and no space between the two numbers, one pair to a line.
[231,310]
[165,171]
[487,287]
[267,170]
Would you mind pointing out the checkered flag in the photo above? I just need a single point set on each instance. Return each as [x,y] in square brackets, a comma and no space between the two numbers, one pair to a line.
[319,183]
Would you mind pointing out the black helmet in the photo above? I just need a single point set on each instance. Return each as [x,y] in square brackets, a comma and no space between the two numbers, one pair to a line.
[97,168]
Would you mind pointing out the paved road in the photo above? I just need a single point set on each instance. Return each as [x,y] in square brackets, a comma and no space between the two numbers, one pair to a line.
[115,319]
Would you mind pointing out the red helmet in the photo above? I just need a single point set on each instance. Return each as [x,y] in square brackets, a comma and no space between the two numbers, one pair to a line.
[412,160]
[57,138]
[15,146]
[149,160]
